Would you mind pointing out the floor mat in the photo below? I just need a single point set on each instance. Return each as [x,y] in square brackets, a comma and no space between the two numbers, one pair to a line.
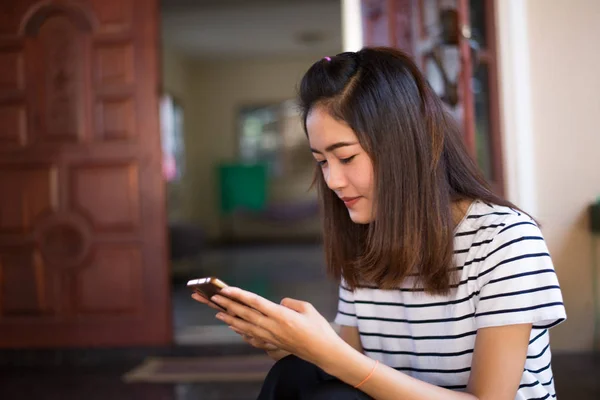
[201,369]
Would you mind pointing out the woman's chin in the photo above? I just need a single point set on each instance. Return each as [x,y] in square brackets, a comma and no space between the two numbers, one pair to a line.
[360,218]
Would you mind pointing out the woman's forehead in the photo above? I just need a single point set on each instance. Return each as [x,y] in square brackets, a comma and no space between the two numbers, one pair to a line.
[322,127]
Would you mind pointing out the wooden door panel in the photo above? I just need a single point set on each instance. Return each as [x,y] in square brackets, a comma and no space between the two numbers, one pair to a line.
[13,109]
[115,207]
[113,63]
[116,269]
[14,124]
[82,210]
[28,193]
[116,16]
[11,15]
[28,287]
[388,23]
[114,118]
[58,49]
[114,89]
[11,70]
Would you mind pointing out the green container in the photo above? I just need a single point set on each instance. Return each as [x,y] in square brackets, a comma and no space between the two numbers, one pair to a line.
[242,187]
[595,218]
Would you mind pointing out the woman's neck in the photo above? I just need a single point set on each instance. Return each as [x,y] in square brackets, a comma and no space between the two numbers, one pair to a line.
[459,210]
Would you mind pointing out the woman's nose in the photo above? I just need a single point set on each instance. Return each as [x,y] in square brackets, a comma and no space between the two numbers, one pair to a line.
[335,177]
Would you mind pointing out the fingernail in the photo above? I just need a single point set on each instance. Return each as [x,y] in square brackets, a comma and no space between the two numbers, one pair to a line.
[220,316]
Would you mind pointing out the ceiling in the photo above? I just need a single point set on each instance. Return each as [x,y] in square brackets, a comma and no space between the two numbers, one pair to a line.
[218,29]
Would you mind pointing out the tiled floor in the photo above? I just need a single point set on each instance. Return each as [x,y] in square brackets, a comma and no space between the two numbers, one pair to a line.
[275,272]
[103,384]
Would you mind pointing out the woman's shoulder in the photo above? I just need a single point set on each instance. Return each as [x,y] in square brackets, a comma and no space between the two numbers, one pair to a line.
[491,234]
[485,221]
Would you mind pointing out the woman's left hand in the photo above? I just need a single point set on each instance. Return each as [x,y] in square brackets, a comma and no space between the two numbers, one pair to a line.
[295,326]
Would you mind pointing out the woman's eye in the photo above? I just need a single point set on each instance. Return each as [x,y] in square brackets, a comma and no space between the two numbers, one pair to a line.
[321,162]
[347,160]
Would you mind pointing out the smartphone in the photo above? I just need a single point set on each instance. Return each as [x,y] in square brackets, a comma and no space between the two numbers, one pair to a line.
[207,287]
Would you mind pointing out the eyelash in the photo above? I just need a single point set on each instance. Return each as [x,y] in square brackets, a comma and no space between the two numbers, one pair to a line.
[343,161]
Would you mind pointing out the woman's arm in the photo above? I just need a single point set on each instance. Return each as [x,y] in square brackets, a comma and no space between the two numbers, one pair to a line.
[497,367]
[351,336]
[295,326]
[498,361]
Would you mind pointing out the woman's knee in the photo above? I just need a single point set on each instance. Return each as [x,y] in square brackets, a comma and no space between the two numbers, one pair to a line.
[289,378]
[335,390]
[294,366]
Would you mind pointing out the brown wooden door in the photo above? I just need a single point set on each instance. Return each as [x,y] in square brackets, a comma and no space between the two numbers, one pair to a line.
[82,209]
[445,38]
[415,26]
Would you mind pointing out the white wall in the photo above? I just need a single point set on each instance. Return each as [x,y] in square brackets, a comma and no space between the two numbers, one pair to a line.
[175,81]
[217,89]
[174,72]
[550,66]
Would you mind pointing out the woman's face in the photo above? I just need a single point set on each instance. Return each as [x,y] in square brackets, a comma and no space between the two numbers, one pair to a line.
[347,168]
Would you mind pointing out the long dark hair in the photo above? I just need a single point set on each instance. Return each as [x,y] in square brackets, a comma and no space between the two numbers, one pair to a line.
[420,164]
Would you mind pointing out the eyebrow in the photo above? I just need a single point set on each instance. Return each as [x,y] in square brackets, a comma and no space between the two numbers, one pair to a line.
[334,146]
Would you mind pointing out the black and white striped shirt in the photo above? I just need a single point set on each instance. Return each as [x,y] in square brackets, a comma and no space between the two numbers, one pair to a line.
[506,277]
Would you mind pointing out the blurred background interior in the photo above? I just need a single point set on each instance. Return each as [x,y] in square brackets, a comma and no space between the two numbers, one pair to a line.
[108,207]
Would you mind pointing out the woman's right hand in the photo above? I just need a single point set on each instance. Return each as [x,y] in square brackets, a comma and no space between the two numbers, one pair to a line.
[272,351]
[201,299]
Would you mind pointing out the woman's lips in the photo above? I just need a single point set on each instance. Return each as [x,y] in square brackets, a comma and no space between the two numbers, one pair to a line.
[350,201]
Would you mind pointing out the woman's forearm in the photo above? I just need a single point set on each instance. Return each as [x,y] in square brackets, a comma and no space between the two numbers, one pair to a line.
[385,383]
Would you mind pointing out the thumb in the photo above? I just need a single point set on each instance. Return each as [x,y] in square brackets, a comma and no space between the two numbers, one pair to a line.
[296,305]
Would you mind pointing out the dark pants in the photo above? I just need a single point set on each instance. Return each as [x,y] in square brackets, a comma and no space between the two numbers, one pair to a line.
[292,378]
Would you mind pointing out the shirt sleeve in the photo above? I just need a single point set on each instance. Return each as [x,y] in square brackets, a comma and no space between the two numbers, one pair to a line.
[517,281]
[346,314]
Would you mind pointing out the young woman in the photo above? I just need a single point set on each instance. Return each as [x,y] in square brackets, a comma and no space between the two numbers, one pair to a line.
[447,291]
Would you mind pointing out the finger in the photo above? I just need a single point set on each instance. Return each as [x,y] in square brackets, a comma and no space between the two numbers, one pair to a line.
[251,340]
[243,334]
[249,309]
[237,309]
[300,306]
[198,297]
[252,300]
[215,307]
[240,332]
[255,343]
[248,340]
[201,299]
[267,346]
[259,344]
[236,330]
[249,328]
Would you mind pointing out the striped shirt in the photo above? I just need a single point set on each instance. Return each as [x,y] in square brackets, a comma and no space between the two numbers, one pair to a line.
[506,277]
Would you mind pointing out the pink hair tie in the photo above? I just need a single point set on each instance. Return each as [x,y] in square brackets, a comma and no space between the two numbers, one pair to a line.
[327,58]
